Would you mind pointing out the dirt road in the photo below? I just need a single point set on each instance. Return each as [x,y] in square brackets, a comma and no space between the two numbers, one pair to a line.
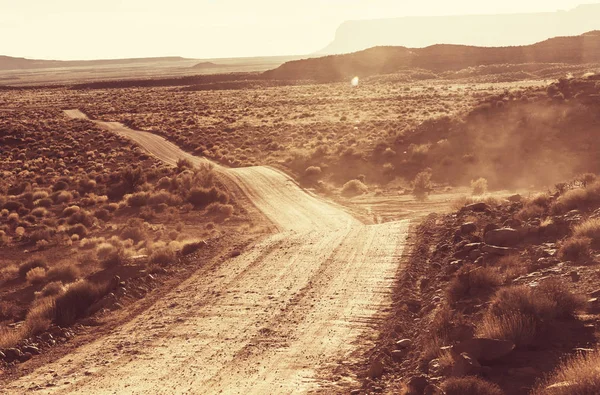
[271,320]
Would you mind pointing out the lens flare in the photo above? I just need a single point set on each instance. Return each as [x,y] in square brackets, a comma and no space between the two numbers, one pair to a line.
[354,81]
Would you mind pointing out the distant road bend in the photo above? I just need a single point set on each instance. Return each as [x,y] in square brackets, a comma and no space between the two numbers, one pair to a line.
[273,320]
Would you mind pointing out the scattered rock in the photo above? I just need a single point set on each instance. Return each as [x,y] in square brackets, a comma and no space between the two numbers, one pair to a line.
[595,294]
[355,392]
[399,355]
[465,364]
[512,223]
[376,369]
[417,384]
[12,354]
[404,343]
[484,350]
[514,198]
[31,349]
[468,228]
[593,305]
[495,250]
[489,227]
[25,357]
[575,277]
[434,368]
[477,207]
[503,237]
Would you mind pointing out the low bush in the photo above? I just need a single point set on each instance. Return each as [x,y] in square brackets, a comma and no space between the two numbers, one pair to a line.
[202,197]
[589,229]
[25,267]
[36,276]
[312,171]
[577,375]
[110,255]
[576,249]
[75,301]
[191,247]
[581,198]
[354,188]
[473,281]
[220,210]
[163,256]
[52,289]
[66,273]
[134,230]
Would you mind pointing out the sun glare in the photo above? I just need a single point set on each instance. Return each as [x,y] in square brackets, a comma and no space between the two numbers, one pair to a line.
[354,81]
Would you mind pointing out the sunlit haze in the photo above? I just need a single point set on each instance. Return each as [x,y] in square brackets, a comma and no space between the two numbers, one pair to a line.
[75,29]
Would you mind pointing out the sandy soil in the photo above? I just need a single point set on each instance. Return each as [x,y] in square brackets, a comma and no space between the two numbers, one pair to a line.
[274,319]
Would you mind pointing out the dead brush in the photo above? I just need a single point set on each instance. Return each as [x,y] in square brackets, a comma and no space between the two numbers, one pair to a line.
[76,300]
[523,314]
[575,249]
[589,229]
[577,375]
[472,281]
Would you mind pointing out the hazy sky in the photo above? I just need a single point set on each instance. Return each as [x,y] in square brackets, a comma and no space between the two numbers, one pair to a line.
[94,29]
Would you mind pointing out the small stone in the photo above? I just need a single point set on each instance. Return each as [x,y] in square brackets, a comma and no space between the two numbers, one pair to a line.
[376,369]
[25,357]
[503,237]
[31,349]
[404,343]
[355,392]
[12,354]
[574,276]
[465,364]
[468,228]
[593,305]
[495,250]
[514,198]
[417,384]
[398,355]
[484,350]
[595,294]
[477,207]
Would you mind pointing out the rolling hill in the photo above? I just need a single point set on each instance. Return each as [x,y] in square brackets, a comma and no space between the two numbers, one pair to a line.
[439,58]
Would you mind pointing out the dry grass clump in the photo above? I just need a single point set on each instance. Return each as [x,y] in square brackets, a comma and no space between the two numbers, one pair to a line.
[75,301]
[135,230]
[201,197]
[110,255]
[511,266]
[580,198]
[576,249]
[589,229]
[25,267]
[51,289]
[313,172]
[66,273]
[191,247]
[577,375]
[220,210]
[354,188]
[473,281]
[163,256]
[535,207]
[522,314]
[479,187]
[36,276]
[470,386]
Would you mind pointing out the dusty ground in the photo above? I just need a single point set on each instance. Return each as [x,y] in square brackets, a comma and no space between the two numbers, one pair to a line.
[269,320]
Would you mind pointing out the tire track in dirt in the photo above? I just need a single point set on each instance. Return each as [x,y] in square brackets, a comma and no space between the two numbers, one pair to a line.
[272,320]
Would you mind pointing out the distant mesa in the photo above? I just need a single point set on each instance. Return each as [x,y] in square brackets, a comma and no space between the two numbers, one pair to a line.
[12,63]
[206,65]
[478,30]
[580,49]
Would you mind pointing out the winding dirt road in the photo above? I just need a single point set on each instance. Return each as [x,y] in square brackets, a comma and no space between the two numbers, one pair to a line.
[273,320]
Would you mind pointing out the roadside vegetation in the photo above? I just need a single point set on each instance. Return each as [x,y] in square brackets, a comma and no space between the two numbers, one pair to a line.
[82,214]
